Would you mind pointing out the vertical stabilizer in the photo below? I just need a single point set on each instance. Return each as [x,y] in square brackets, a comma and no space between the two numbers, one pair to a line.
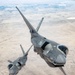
[39,24]
[28,50]
[22,50]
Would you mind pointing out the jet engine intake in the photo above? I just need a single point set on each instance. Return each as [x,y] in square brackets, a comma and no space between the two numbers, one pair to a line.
[63,48]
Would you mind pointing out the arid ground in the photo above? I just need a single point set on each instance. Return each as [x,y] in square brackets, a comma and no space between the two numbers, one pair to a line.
[13,32]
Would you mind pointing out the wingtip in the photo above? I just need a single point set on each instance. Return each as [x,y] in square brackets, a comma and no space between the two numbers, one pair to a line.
[16,7]
[20,45]
[42,17]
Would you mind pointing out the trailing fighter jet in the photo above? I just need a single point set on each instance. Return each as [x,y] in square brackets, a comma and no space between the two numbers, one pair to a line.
[52,52]
[15,66]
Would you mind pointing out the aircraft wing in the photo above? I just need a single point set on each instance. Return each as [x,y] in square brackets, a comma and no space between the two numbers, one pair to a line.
[30,26]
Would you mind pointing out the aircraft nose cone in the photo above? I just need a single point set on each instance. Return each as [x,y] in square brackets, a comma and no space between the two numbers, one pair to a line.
[61,59]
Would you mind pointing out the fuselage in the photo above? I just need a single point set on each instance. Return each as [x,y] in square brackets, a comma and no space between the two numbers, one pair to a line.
[49,50]
[15,66]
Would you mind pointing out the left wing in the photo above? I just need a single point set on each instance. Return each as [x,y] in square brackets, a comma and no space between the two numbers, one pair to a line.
[30,26]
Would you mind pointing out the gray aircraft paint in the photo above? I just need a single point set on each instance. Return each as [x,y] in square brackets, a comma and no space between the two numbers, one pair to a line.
[55,55]
[15,66]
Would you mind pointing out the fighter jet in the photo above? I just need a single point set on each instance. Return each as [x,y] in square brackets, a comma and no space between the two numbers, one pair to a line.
[52,52]
[16,65]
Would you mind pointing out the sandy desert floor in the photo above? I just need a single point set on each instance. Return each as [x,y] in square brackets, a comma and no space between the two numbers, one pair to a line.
[14,32]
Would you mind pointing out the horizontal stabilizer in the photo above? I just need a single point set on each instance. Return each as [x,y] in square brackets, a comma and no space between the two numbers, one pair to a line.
[10,61]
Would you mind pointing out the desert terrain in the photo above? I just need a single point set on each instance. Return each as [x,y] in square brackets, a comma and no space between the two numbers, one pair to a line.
[57,26]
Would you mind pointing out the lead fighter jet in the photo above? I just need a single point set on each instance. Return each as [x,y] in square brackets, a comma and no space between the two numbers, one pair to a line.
[50,51]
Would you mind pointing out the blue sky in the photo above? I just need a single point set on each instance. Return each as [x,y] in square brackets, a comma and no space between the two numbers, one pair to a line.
[23,1]
[54,4]
[5,2]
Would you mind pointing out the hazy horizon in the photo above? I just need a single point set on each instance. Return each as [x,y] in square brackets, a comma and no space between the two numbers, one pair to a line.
[9,2]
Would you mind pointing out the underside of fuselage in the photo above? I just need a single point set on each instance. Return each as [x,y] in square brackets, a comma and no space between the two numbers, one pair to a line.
[48,61]
[55,62]
[52,64]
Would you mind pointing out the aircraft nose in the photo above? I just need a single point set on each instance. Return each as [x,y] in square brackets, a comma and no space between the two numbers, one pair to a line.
[60,59]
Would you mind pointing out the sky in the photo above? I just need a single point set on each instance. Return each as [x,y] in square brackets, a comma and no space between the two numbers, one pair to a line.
[22,1]
[5,2]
